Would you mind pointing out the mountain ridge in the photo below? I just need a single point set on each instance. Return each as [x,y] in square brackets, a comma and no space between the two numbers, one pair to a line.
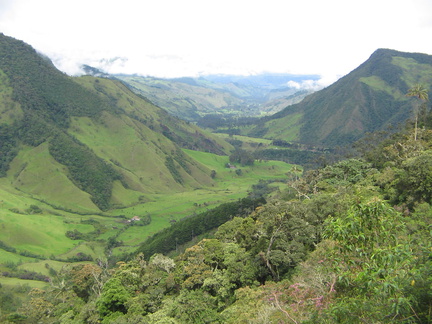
[369,98]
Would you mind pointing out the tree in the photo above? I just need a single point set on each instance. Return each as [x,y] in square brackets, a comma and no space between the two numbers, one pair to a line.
[421,93]
[113,298]
[213,174]
[86,280]
[377,265]
[414,181]
[242,156]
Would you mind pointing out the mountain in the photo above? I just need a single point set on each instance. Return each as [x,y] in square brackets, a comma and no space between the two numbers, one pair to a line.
[192,98]
[370,98]
[347,243]
[89,170]
[88,144]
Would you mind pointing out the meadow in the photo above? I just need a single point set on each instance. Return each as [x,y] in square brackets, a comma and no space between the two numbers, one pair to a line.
[228,186]
[38,241]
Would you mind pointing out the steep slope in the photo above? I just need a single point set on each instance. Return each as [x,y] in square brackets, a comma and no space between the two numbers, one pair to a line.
[89,144]
[368,99]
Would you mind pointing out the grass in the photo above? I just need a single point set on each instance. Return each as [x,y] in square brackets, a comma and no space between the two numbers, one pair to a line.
[415,72]
[40,234]
[287,128]
[228,187]
[245,139]
[43,266]
[36,172]
[14,282]
[142,160]
[378,84]
[9,257]
[44,234]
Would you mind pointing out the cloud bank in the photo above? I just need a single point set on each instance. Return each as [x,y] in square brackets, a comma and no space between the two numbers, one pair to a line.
[169,38]
[314,85]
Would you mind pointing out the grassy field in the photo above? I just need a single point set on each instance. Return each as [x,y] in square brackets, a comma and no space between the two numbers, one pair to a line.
[245,139]
[43,234]
[228,187]
[14,282]
[38,234]
[13,258]
[288,129]
[42,266]
[415,72]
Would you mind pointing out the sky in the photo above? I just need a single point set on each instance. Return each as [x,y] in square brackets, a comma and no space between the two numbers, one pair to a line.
[173,38]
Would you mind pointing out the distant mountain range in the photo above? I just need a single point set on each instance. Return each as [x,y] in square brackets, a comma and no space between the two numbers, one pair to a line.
[192,98]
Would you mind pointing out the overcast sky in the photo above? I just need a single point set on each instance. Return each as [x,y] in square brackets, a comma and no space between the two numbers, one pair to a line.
[168,38]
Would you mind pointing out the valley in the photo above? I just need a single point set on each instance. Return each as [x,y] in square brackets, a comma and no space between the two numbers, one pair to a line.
[39,237]
[231,96]
[114,209]
[91,170]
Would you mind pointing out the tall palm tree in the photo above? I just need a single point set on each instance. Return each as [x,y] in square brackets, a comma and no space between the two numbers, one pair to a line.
[421,93]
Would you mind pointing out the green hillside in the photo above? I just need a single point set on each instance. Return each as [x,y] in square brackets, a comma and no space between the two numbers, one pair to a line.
[89,170]
[346,243]
[370,98]
[96,183]
[90,138]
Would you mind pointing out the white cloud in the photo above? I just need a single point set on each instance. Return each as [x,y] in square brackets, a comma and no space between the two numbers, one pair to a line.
[315,85]
[294,84]
[189,37]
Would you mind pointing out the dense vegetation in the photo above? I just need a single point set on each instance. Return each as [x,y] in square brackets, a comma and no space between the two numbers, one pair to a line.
[48,100]
[347,243]
[8,148]
[187,229]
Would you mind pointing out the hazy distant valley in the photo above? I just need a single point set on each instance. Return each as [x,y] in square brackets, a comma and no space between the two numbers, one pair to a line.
[232,96]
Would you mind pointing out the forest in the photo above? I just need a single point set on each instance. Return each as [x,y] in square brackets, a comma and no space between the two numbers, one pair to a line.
[345,243]
[334,241]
